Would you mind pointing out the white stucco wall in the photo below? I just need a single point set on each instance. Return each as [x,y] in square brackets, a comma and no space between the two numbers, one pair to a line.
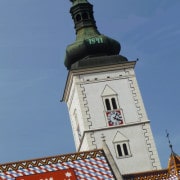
[85,97]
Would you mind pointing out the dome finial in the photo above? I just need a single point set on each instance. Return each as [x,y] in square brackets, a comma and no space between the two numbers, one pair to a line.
[78,1]
[89,41]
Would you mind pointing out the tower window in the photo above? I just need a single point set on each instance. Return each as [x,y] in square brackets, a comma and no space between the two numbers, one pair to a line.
[112,110]
[85,16]
[111,104]
[108,106]
[122,149]
[78,17]
[114,103]
[125,150]
[121,145]
[119,150]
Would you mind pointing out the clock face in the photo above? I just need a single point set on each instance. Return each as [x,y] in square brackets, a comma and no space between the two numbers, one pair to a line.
[114,118]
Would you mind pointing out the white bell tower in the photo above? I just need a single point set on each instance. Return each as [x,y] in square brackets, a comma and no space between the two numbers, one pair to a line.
[104,99]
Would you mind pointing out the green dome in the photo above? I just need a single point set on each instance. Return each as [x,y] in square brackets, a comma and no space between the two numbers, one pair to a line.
[93,46]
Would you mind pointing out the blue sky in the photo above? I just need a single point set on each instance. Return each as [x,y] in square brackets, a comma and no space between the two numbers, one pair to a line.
[33,38]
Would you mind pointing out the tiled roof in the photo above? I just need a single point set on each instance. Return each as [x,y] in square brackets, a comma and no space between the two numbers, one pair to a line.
[150,175]
[171,173]
[174,165]
[86,165]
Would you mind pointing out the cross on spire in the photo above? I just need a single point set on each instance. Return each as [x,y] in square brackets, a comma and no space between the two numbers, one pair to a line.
[169,141]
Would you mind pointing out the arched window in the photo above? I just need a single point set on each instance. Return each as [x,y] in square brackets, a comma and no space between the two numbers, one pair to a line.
[119,150]
[121,145]
[122,149]
[110,99]
[78,17]
[111,104]
[113,101]
[125,149]
[108,106]
[85,16]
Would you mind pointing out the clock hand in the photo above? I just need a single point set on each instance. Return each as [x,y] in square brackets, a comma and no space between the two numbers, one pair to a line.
[118,117]
[115,115]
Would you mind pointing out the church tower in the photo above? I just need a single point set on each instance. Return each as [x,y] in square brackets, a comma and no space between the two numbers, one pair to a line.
[103,97]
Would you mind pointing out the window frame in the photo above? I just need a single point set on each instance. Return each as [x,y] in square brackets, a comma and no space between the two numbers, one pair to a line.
[121,150]
[111,102]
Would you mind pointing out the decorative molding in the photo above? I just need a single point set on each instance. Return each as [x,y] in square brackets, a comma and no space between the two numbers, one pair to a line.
[85,108]
[120,66]
[108,91]
[93,140]
[50,160]
[115,127]
[87,117]
[149,145]
[119,137]
[79,72]
[96,80]
[135,98]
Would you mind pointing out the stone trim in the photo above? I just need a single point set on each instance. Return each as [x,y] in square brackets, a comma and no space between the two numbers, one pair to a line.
[151,147]
[135,98]
[84,106]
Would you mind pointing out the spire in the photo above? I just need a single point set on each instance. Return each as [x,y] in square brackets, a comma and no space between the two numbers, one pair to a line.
[89,42]
[174,161]
[174,166]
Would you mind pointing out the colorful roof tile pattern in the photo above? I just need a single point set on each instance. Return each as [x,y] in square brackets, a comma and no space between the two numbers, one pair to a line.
[174,166]
[65,174]
[171,173]
[86,166]
[90,165]
[150,175]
